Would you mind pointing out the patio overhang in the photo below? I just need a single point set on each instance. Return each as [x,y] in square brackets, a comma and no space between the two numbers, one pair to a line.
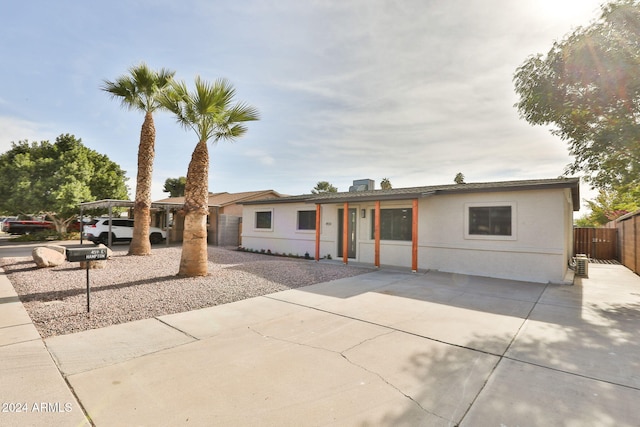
[111,203]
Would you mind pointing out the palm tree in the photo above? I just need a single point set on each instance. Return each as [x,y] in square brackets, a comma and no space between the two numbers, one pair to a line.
[140,91]
[212,113]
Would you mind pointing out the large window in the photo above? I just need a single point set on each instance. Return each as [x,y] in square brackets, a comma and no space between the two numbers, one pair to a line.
[395,224]
[306,220]
[263,220]
[490,220]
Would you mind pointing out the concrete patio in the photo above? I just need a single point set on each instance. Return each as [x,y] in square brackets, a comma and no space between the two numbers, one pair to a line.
[385,348]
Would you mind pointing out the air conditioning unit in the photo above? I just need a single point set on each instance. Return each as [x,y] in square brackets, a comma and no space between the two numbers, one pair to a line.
[582,265]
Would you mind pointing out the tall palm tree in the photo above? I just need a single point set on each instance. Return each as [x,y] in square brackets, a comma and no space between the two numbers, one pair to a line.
[140,90]
[212,113]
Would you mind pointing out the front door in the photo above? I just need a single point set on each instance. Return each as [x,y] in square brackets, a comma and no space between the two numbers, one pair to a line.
[351,230]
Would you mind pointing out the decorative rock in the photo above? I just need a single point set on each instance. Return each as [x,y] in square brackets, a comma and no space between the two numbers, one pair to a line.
[93,264]
[57,248]
[46,257]
[109,251]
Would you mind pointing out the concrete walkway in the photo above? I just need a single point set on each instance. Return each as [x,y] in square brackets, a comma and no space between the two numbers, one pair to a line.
[381,349]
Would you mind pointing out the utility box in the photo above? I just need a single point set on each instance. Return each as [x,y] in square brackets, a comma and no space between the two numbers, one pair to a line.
[582,265]
[78,253]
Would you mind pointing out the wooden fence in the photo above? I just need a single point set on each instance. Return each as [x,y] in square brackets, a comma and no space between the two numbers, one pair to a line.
[628,228]
[597,243]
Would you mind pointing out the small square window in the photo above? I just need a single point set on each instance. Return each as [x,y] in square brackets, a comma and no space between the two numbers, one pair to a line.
[263,220]
[306,220]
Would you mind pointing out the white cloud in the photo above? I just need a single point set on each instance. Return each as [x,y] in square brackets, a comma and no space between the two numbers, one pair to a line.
[14,130]
[412,90]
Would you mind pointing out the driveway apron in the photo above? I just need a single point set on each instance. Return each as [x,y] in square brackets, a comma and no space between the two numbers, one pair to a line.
[388,348]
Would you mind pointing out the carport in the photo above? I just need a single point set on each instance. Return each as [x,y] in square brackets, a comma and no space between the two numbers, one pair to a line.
[109,204]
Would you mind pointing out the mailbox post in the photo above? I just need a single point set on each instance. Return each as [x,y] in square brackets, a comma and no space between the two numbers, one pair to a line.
[84,253]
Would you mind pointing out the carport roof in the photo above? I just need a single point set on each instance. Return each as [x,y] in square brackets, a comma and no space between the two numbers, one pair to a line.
[110,203]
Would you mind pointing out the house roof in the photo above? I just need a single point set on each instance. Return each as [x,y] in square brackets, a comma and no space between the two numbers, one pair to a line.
[226,199]
[418,192]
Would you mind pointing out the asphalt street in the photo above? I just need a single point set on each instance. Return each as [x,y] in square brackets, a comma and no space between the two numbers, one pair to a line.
[19,249]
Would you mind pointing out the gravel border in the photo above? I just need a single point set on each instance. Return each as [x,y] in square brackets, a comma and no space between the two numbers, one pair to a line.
[140,287]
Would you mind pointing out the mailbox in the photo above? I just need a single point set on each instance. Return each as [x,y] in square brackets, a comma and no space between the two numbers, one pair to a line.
[79,253]
[86,253]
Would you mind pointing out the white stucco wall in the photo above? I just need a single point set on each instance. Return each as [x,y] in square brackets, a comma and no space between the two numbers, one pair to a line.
[283,236]
[538,250]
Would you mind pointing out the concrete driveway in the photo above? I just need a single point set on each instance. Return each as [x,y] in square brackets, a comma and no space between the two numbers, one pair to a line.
[381,349]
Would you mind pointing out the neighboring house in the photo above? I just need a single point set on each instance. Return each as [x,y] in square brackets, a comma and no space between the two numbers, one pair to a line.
[521,230]
[225,215]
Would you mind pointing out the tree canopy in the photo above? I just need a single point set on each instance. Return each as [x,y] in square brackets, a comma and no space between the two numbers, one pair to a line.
[385,184]
[175,186]
[588,88]
[459,178]
[324,187]
[609,205]
[52,179]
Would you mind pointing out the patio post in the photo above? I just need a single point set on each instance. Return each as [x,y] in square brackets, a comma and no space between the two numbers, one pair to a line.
[376,234]
[345,233]
[414,236]
[318,232]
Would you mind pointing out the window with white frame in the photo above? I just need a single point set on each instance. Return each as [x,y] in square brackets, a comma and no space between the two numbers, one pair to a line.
[307,220]
[264,220]
[490,221]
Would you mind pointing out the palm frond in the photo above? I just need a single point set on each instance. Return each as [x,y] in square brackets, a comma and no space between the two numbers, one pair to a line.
[141,88]
[209,109]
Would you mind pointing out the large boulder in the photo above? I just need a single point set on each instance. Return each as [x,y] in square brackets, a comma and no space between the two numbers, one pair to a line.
[58,248]
[109,251]
[94,264]
[46,257]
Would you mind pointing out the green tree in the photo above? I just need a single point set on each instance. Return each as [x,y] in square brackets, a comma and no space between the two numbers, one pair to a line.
[385,184]
[324,187]
[140,91]
[459,179]
[588,87]
[609,205]
[213,114]
[52,179]
[175,186]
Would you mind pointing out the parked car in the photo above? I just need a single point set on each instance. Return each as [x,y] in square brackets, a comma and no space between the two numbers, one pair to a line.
[121,231]
[4,219]
[25,226]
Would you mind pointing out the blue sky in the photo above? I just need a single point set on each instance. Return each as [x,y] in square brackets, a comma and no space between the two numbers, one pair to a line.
[413,90]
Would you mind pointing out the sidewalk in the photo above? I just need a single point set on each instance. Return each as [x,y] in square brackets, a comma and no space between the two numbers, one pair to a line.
[385,348]
[32,390]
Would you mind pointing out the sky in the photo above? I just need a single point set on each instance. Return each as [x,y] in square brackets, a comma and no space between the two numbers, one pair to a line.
[410,90]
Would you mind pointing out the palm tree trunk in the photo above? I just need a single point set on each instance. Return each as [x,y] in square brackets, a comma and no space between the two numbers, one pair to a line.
[140,244]
[194,259]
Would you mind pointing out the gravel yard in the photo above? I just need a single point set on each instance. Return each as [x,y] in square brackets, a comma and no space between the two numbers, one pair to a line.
[140,287]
